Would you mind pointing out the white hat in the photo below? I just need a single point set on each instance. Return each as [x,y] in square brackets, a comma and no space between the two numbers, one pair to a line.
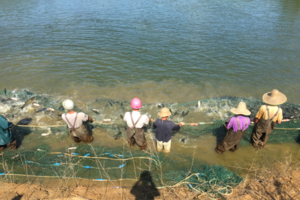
[68,104]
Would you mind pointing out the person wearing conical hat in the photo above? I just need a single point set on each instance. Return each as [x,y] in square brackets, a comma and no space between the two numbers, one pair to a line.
[164,129]
[267,117]
[236,129]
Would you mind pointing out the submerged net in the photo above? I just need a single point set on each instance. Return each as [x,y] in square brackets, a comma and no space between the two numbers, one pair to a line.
[103,163]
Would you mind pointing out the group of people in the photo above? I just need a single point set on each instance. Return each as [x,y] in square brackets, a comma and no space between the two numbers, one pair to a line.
[265,121]
[135,121]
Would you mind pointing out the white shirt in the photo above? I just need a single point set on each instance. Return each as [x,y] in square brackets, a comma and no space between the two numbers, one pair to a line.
[135,115]
[81,117]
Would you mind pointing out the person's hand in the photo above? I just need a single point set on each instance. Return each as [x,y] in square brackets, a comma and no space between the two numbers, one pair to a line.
[151,120]
[90,120]
[255,120]
[181,124]
[278,122]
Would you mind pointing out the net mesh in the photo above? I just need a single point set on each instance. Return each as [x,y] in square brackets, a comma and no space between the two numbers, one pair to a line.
[102,163]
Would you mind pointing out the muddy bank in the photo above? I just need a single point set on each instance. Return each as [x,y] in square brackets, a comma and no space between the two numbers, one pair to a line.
[279,185]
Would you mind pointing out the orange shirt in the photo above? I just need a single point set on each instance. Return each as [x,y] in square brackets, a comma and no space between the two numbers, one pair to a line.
[262,113]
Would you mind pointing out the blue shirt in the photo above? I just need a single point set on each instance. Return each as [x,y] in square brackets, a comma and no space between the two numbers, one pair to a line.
[164,129]
[5,134]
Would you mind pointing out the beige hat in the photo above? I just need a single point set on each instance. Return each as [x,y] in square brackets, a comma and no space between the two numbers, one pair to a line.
[274,98]
[164,112]
[241,109]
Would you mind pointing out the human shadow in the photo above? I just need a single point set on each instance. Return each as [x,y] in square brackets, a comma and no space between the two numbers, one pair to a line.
[298,138]
[20,132]
[19,197]
[144,188]
[220,134]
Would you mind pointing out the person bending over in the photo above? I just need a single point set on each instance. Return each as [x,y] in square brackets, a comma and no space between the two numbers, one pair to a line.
[6,137]
[236,129]
[77,126]
[267,117]
[135,122]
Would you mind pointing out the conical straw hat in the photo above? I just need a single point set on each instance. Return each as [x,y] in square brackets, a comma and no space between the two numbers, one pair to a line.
[241,109]
[274,98]
[164,112]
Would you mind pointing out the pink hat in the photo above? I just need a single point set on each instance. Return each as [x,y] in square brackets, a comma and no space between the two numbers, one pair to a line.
[136,103]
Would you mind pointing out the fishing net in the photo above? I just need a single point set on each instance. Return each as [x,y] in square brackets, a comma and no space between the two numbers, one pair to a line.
[103,163]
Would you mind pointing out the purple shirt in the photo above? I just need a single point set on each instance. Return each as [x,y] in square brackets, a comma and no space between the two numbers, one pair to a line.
[234,125]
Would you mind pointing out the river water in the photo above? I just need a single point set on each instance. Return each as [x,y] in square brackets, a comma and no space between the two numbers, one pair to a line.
[157,50]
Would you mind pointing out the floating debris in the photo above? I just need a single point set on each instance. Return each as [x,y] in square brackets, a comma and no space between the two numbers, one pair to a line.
[72,148]
[106,120]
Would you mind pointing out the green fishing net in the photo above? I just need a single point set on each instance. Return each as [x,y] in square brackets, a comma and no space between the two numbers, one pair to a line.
[102,163]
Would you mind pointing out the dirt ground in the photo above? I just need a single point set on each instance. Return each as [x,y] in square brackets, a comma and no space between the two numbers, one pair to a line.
[12,191]
[283,186]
